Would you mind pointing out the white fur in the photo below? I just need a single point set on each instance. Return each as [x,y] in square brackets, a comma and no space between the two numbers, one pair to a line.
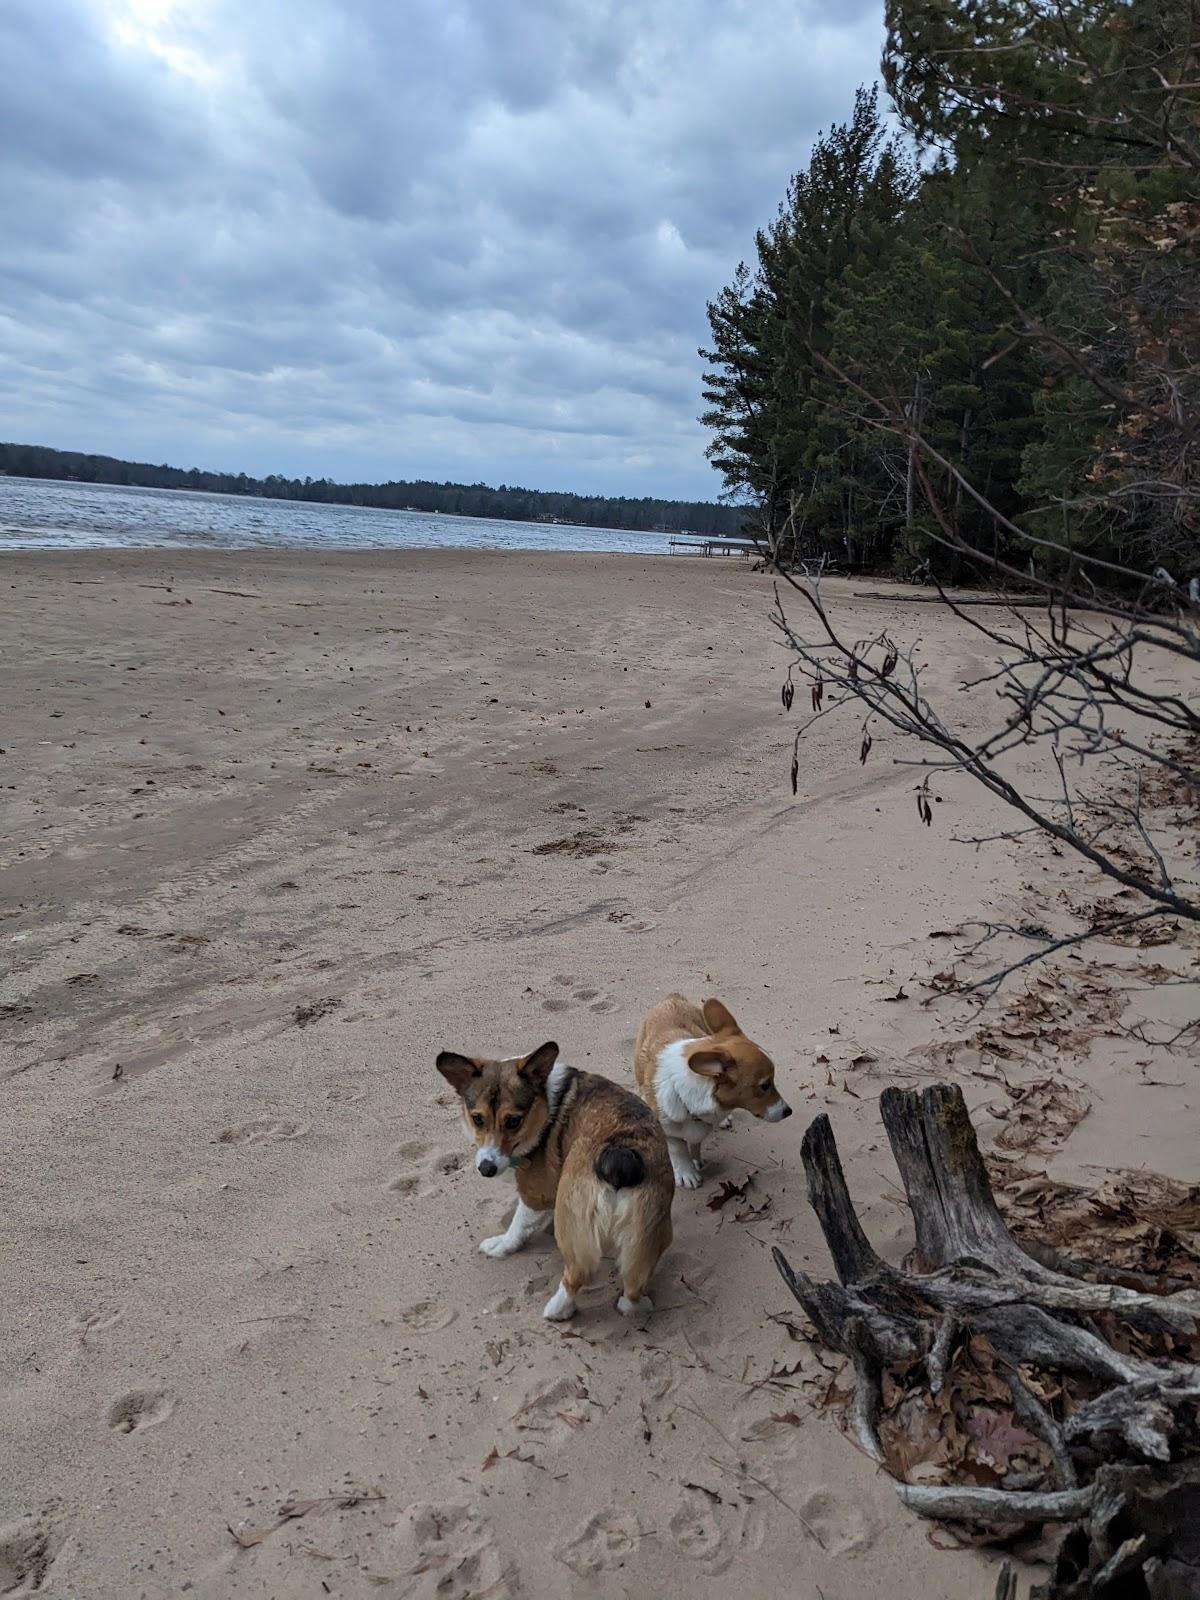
[684,1164]
[776,1111]
[525,1223]
[636,1310]
[560,1305]
[554,1092]
[555,1084]
[488,1152]
[687,1110]
[682,1095]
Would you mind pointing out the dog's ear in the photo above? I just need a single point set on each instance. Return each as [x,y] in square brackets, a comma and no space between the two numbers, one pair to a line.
[536,1067]
[709,1063]
[457,1070]
[719,1018]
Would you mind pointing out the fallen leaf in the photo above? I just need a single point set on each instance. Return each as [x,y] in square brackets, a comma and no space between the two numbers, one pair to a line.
[997,1438]
[729,1191]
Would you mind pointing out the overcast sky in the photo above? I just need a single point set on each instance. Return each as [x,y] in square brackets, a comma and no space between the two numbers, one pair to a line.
[465,239]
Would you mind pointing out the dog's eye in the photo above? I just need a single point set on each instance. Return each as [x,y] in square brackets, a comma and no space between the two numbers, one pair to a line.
[477,1119]
[514,1121]
[765,1086]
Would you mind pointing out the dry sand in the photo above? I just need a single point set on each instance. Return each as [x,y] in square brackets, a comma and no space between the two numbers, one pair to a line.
[279,827]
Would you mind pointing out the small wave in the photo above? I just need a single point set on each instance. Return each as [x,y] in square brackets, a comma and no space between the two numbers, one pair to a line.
[42,514]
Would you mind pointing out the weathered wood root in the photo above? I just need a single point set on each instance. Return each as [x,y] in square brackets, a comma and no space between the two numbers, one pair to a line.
[1141,1537]
[1036,1310]
[995,1505]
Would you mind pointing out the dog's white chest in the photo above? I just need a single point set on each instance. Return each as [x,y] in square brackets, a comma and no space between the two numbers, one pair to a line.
[683,1096]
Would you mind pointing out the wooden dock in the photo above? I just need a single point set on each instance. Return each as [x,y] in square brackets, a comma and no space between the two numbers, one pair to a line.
[717,545]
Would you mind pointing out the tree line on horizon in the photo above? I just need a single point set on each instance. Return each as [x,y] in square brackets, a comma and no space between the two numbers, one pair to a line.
[983,329]
[506,503]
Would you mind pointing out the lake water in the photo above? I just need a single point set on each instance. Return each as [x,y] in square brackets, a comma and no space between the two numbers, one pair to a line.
[46,514]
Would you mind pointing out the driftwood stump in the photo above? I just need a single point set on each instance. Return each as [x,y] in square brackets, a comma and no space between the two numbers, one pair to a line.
[1118,1439]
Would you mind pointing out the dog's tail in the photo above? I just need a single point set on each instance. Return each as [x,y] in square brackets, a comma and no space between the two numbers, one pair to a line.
[620,1167]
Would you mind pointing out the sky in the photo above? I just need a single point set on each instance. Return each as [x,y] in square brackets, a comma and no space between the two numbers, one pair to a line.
[371,239]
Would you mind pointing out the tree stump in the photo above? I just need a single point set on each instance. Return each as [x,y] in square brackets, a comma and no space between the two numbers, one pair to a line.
[1118,1439]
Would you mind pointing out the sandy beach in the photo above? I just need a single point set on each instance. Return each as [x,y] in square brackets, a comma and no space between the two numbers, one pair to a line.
[276,829]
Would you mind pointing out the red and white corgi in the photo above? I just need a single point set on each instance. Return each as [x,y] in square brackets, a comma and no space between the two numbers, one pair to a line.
[585,1152]
[694,1066]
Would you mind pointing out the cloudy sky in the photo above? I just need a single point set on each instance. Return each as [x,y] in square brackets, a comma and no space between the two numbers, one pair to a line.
[394,238]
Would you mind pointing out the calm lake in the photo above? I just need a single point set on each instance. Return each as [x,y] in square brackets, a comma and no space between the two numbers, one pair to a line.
[46,514]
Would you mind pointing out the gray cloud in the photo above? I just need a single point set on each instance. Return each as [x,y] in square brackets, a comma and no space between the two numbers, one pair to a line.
[381,238]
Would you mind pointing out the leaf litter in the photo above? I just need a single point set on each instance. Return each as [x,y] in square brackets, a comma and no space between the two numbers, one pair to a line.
[1138,1223]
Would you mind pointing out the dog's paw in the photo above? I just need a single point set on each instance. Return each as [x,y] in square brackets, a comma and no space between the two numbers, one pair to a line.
[636,1310]
[560,1307]
[726,1125]
[687,1177]
[498,1245]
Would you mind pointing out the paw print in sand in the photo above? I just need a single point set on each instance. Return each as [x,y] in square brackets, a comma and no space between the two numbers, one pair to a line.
[139,1409]
[426,1164]
[572,998]
[607,1540]
[450,1552]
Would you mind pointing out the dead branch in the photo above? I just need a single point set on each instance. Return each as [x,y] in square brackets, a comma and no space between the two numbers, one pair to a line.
[1045,1320]
[1066,685]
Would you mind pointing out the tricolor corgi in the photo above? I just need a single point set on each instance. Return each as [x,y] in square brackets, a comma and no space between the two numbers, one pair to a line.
[585,1153]
[694,1065]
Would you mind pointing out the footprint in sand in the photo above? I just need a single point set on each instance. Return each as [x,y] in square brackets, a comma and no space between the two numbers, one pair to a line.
[99,1321]
[427,1316]
[605,1541]
[843,1527]
[263,1129]
[553,1412]
[429,1165]
[139,1409]
[28,1547]
[450,1553]
[693,1270]
[657,1372]
[595,1000]
[694,1530]
[346,1094]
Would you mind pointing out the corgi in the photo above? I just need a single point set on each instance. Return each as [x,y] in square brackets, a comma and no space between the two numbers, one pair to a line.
[694,1065]
[586,1153]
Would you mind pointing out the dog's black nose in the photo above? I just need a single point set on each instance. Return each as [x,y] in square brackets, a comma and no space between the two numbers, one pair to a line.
[787,1111]
[487,1169]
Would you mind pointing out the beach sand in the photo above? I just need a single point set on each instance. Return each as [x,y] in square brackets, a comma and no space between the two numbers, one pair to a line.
[277,828]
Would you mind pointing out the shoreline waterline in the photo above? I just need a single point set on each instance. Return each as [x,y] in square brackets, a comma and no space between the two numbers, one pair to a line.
[59,514]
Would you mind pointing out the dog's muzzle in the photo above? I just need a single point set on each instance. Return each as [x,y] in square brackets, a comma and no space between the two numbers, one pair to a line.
[489,1161]
[777,1111]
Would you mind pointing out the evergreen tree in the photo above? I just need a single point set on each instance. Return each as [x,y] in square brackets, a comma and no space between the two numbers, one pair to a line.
[998,349]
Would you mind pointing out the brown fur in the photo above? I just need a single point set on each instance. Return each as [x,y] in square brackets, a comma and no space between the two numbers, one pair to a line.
[504,1105]
[742,1074]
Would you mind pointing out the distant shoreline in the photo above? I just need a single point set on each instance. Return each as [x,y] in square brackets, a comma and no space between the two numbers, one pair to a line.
[423,497]
[333,505]
[71,514]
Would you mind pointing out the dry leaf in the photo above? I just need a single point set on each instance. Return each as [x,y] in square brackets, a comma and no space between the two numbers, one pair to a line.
[729,1191]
